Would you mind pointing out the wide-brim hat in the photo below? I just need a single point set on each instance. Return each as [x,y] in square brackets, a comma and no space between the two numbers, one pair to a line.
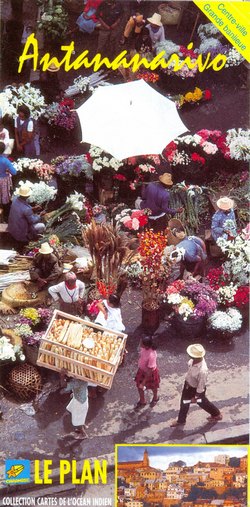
[67,267]
[53,67]
[24,191]
[45,249]
[225,203]
[196,351]
[155,19]
[166,179]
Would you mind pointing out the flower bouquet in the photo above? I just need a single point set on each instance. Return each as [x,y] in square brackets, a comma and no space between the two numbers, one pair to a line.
[14,96]
[132,220]
[40,192]
[41,169]
[192,98]
[224,324]
[193,303]
[193,199]
[100,159]
[237,265]
[134,273]
[9,352]
[61,114]
[75,166]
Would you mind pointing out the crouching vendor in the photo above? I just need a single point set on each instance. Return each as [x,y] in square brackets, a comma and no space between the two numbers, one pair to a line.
[46,267]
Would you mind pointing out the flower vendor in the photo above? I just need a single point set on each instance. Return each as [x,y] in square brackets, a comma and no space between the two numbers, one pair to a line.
[79,403]
[46,267]
[23,224]
[155,196]
[156,29]
[194,390]
[6,170]
[223,220]
[133,27]
[193,250]
[25,132]
[110,313]
[69,293]
[147,376]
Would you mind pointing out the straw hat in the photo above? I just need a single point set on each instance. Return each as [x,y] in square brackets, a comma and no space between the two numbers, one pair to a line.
[225,203]
[24,191]
[155,19]
[196,351]
[53,67]
[67,267]
[166,179]
[45,249]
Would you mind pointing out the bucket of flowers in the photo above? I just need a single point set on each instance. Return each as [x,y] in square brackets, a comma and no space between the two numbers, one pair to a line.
[193,303]
[224,325]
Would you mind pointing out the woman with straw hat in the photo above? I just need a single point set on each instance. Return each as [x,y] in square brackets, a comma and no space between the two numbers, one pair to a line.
[156,29]
[223,220]
[155,196]
[194,390]
[46,267]
[23,224]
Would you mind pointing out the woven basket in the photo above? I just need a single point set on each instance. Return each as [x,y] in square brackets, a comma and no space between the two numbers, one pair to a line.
[20,295]
[169,15]
[24,381]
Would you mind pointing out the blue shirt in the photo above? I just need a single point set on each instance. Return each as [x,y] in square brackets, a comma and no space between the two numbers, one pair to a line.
[21,220]
[193,249]
[4,165]
[218,220]
[156,197]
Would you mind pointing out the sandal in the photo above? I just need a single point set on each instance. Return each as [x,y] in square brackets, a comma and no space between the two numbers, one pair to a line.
[139,405]
[215,418]
[153,402]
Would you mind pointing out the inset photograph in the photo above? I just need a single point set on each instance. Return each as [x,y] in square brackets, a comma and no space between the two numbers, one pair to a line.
[181,476]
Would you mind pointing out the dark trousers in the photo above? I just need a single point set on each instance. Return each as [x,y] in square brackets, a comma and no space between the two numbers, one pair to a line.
[188,393]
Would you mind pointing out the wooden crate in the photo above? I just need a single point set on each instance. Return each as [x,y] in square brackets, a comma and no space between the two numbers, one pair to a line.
[79,364]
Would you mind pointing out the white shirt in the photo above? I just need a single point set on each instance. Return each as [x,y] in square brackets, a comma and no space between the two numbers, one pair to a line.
[67,295]
[4,137]
[197,375]
[30,126]
[114,320]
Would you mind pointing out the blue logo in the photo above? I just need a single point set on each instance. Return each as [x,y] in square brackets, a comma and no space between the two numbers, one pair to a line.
[17,471]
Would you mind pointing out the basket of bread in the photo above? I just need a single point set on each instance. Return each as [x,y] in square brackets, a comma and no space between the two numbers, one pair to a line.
[86,350]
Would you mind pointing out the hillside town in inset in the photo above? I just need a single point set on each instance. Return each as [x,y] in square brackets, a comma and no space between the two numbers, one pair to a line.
[219,483]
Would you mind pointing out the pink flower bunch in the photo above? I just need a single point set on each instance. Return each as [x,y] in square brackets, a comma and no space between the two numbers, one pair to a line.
[93,308]
[175,287]
[135,221]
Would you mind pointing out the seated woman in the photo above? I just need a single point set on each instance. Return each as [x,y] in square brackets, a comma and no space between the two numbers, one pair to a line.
[87,21]
[46,267]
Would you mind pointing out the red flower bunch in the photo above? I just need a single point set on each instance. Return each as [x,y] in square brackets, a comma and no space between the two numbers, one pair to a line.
[149,77]
[217,278]
[175,287]
[93,308]
[67,103]
[119,177]
[89,158]
[197,158]
[207,95]
[188,52]
[170,148]
[241,297]
[151,248]
[105,289]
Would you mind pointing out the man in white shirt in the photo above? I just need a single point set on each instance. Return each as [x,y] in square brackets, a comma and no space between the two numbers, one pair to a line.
[70,294]
[194,390]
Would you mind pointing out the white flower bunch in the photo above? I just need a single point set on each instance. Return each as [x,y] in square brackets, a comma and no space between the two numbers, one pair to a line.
[102,160]
[209,148]
[226,293]
[40,192]
[76,201]
[146,168]
[180,157]
[174,298]
[134,270]
[21,164]
[5,104]
[94,151]
[238,258]
[9,351]
[239,144]
[234,58]
[51,112]
[207,30]
[28,95]
[208,45]
[190,139]
[229,321]
[185,310]
[169,47]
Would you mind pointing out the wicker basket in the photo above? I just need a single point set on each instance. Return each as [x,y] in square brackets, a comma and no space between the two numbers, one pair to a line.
[20,295]
[24,381]
[169,15]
